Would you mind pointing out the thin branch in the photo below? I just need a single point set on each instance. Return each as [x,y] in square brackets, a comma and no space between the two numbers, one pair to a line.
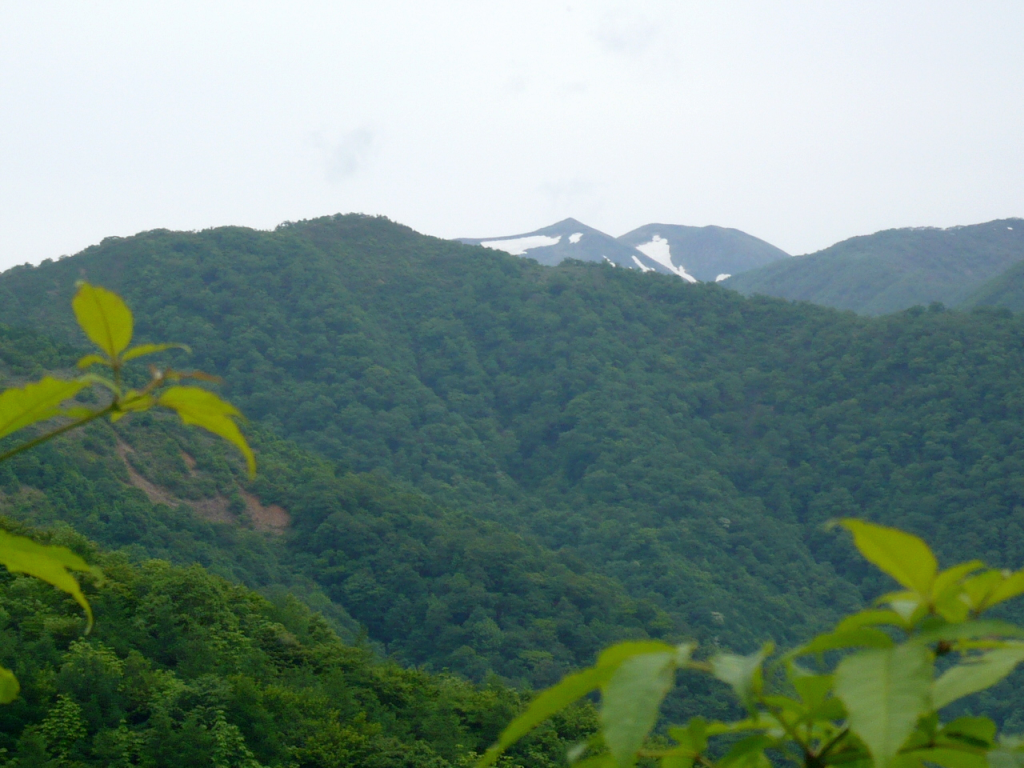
[59,431]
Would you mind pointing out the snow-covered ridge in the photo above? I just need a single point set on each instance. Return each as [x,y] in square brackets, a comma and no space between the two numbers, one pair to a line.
[520,245]
[658,249]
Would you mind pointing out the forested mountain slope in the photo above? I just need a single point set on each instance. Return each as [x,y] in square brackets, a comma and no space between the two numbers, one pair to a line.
[893,270]
[667,452]
[185,669]
[1005,290]
[427,582]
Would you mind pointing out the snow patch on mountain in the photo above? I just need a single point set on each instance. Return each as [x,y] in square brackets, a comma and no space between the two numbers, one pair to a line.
[575,237]
[722,277]
[658,250]
[643,267]
[520,245]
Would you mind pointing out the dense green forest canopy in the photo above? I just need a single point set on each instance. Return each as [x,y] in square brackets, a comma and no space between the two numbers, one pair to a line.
[493,465]
[185,669]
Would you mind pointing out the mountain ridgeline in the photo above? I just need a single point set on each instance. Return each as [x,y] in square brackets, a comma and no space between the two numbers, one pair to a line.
[706,254]
[496,466]
[900,268]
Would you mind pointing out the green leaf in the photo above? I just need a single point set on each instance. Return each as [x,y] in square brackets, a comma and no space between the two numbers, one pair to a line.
[951,577]
[748,751]
[89,360]
[693,737]
[1011,586]
[901,555]
[613,656]
[9,686]
[969,630]
[885,691]
[104,317]
[204,409]
[22,406]
[864,637]
[952,758]
[150,349]
[812,689]
[676,761]
[630,700]
[131,402]
[743,673]
[597,761]
[978,730]
[977,674]
[49,563]
[869,618]
[547,703]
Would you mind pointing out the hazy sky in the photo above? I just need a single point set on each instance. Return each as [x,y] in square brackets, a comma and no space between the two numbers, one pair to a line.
[802,123]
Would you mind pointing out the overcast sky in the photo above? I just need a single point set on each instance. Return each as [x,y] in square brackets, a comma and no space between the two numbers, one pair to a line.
[802,123]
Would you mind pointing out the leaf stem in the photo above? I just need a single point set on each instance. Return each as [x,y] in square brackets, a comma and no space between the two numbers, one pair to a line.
[59,431]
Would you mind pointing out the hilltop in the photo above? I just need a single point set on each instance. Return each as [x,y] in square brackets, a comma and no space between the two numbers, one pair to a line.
[895,269]
[607,453]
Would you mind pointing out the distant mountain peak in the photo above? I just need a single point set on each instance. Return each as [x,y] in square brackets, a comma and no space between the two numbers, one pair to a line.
[702,253]
[694,254]
[571,239]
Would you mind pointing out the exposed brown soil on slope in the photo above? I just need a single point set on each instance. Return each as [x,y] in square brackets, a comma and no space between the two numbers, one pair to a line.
[271,519]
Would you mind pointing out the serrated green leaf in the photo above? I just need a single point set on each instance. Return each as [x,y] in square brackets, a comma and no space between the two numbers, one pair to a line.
[973,675]
[903,556]
[548,702]
[743,673]
[104,317]
[9,686]
[630,700]
[23,406]
[885,691]
[151,349]
[49,563]
[205,409]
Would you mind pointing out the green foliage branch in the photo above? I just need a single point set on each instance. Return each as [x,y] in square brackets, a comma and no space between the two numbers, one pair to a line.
[108,323]
[868,693]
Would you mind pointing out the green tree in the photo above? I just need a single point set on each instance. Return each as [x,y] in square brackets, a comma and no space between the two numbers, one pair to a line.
[871,692]
[108,323]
